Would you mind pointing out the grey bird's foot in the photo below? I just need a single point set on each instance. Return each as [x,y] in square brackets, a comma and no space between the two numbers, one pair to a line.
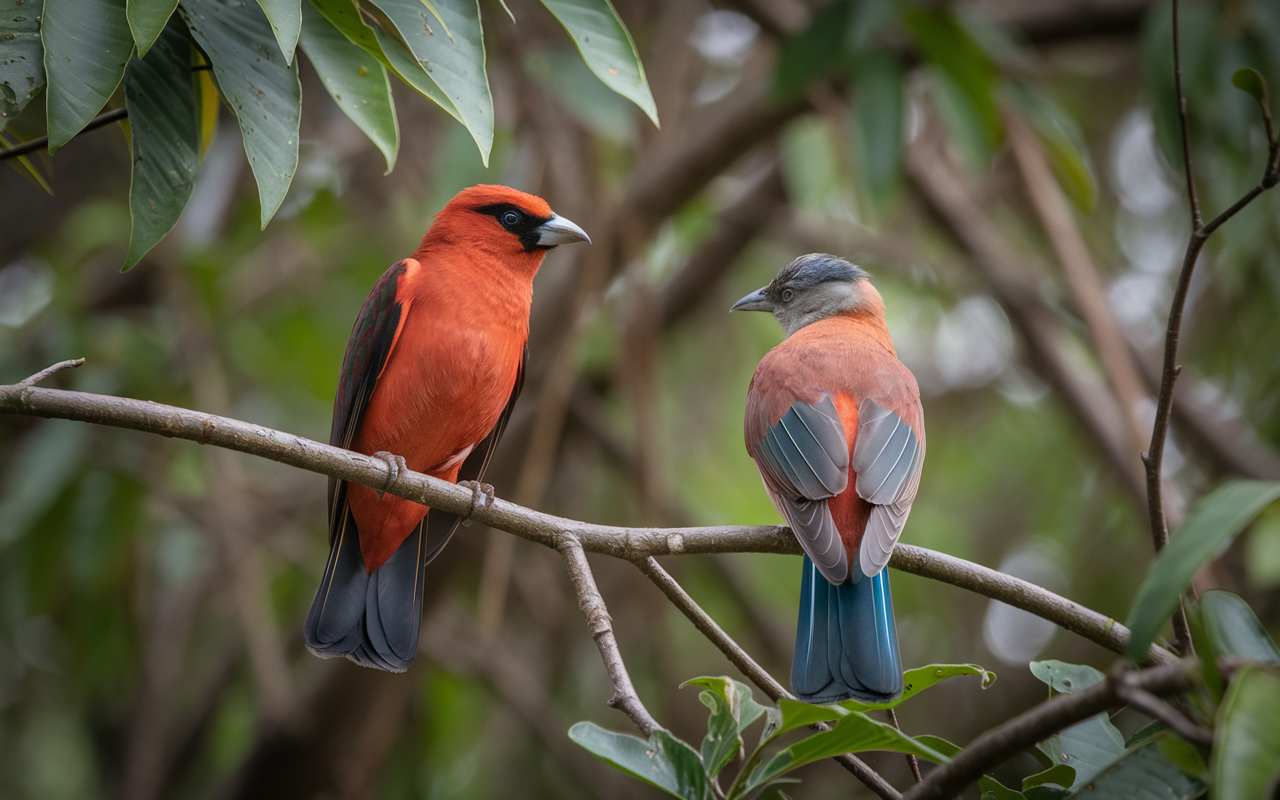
[478,490]
[396,464]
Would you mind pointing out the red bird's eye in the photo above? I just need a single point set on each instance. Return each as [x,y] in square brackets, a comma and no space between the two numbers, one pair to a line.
[787,294]
[510,218]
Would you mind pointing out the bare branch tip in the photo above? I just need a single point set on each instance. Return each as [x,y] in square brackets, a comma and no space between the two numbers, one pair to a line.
[49,371]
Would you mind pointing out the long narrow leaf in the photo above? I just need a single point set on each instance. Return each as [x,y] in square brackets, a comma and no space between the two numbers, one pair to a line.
[1213,523]
[607,47]
[262,91]
[86,46]
[166,139]
[355,80]
[286,23]
[456,65]
[146,19]
[21,57]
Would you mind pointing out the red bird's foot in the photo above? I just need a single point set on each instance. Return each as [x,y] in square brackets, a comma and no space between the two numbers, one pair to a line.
[478,490]
[396,464]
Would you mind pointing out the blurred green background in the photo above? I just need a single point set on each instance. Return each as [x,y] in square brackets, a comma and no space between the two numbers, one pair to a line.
[152,591]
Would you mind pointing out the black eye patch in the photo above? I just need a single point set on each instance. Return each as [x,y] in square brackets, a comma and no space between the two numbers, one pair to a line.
[516,221]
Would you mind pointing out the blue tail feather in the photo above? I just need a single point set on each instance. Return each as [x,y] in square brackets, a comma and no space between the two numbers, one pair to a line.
[846,640]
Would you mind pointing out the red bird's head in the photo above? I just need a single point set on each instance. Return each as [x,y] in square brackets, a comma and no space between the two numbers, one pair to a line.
[815,287]
[516,227]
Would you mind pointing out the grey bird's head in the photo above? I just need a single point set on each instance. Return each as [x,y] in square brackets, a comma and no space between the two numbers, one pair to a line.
[812,288]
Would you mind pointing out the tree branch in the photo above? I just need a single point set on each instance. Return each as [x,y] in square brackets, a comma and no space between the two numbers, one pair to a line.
[601,626]
[1004,741]
[631,544]
[1154,458]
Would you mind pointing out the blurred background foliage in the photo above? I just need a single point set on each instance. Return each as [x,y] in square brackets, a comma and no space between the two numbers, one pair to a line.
[152,592]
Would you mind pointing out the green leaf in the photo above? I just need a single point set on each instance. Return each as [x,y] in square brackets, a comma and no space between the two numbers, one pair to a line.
[1088,747]
[736,694]
[963,122]
[1248,79]
[663,761]
[285,17]
[1246,747]
[607,47]
[457,66]
[1057,775]
[260,88]
[21,57]
[1234,629]
[1144,774]
[854,733]
[344,16]
[355,80]
[1064,677]
[165,139]
[942,39]
[1145,736]
[878,124]
[1212,524]
[723,741]
[23,166]
[797,714]
[1206,652]
[812,53]
[86,46]
[993,789]
[1187,757]
[146,19]
[915,681]
[948,749]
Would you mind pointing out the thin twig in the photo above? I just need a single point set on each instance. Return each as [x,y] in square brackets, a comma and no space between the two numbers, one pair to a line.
[106,118]
[1196,222]
[1200,233]
[630,544]
[1146,702]
[747,665]
[600,624]
[1002,742]
[47,371]
[912,761]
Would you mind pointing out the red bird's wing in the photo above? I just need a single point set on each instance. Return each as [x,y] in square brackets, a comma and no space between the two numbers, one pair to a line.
[887,458]
[371,341]
[804,460]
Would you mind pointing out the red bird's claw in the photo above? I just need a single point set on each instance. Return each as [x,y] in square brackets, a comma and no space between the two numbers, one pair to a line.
[395,464]
[478,490]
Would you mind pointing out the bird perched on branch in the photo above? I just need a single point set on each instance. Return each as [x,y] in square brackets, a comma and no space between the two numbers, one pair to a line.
[431,373]
[835,426]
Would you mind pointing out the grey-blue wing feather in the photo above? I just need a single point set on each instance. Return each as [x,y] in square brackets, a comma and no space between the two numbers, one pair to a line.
[887,457]
[804,459]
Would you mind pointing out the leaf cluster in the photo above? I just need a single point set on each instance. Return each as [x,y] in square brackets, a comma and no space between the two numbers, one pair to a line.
[179,61]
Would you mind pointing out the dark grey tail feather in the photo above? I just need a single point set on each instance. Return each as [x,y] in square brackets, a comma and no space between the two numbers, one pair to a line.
[374,619]
[846,640]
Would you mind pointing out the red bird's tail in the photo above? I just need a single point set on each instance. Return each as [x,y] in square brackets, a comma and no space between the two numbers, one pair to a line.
[373,617]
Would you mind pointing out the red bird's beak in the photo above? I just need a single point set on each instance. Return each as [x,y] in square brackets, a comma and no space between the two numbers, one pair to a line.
[559,230]
[756,301]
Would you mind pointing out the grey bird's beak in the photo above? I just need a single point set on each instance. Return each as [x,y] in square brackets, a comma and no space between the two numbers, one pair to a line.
[559,230]
[756,301]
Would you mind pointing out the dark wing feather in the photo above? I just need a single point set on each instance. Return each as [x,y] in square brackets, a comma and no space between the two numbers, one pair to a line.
[804,459]
[367,351]
[887,457]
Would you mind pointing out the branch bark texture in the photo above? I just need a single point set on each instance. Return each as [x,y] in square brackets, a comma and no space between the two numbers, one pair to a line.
[631,544]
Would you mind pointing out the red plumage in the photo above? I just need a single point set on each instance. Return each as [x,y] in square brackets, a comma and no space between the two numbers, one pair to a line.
[433,367]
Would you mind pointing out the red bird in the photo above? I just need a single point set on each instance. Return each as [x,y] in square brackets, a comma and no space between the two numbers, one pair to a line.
[835,426]
[432,371]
